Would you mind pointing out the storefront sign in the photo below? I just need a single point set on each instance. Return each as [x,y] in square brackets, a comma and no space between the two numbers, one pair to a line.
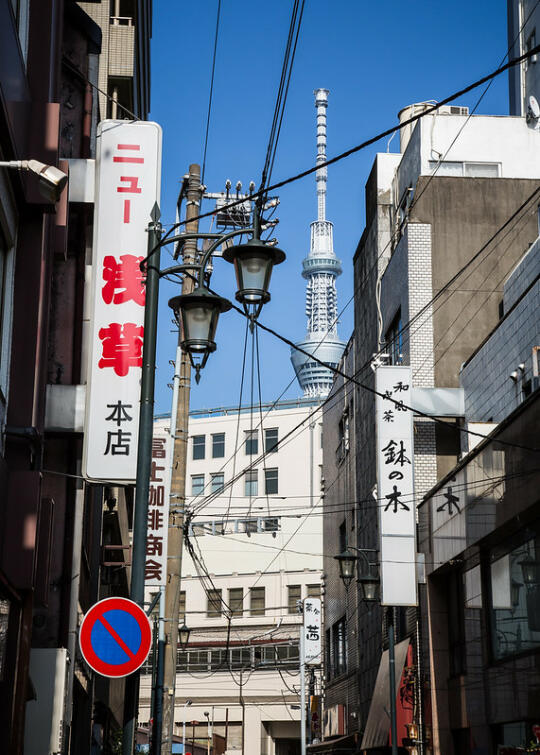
[158,511]
[128,174]
[312,631]
[396,502]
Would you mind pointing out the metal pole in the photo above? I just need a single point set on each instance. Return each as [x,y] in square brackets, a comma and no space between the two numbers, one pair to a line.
[310,698]
[178,478]
[144,461]
[392,679]
[157,731]
[302,694]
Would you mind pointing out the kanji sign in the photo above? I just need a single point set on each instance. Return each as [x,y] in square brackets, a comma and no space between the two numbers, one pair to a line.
[395,485]
[128,167]
[158,510]
[115,637]
[312,631]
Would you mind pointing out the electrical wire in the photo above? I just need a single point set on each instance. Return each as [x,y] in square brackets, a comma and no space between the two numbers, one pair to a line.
[211,90]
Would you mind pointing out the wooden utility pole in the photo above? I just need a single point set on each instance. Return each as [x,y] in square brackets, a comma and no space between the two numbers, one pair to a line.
[178,479]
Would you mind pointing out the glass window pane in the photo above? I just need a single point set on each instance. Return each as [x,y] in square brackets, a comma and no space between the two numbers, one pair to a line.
[198,446]
[446,168]
[182,607]
[252,442]
[217,482]
[251,482]
[218,445]
[482,170]
[197,484]
[313,591]
[214,605]
[271,440]
[271,481]
[236,601]
[294,595]
[257,603]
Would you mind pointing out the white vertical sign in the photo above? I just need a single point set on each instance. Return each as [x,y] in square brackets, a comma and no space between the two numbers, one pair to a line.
[128,176]
[312,631]
[395,476]
[158,510]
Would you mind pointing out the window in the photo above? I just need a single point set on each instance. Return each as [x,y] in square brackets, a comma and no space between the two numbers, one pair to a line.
[271,524]
[236,601]
[213,607]
[218,445]
[515,599]
[182,607]
[271,440]
[198,446]
[529,45]
[294,595]
[249,526]
[470,170]
[217,482]
[456,623]
[313,591]
[252,442]
[344,437]
[270,481]
[197,484]
[394,339]
[257,601]
[251,482]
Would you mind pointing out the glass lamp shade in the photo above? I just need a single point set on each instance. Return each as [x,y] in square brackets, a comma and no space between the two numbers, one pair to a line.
[370,587]
[183,636]
[198,313]
[253,263]
[347,564]
[531,572]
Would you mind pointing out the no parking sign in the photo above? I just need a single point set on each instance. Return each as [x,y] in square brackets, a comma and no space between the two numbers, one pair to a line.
[115,637]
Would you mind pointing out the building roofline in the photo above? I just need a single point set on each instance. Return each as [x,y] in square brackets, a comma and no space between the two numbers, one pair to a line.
[223,411]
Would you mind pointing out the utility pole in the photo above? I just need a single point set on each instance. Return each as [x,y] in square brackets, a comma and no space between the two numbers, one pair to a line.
[178,478]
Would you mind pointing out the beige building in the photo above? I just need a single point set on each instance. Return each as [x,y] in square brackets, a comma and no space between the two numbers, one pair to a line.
[260,541]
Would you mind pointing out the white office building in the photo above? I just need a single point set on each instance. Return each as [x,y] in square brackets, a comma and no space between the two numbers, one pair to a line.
[258,543]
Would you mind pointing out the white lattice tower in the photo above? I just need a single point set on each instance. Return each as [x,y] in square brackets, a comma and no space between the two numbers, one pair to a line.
[320,268]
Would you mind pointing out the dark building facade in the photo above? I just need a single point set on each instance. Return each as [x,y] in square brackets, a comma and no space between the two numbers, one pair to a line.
[63,544]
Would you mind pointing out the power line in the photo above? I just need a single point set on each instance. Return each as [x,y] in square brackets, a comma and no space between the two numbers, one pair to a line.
[211,90]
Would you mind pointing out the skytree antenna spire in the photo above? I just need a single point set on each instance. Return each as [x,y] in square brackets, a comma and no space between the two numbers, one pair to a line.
[320,268]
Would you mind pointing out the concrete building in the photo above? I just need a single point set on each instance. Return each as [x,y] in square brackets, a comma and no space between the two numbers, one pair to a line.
[523,35]
[461,191]
[124,61]
[254,494]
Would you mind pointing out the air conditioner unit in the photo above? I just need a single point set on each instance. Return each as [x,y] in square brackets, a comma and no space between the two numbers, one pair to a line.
[453,110]
[44,724]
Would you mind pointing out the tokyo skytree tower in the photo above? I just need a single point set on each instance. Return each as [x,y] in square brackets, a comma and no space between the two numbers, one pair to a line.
[320,268]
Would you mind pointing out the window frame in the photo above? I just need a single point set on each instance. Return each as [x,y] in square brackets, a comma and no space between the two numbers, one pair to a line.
[269,479]
[213,487]
[201,491]
[214,605]
[254,475]
[260,591]
[251,441]
[271,447]
[218,443]
[197,446]
[292,602]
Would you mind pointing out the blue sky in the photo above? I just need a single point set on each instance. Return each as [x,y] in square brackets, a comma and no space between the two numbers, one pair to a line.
[375,58]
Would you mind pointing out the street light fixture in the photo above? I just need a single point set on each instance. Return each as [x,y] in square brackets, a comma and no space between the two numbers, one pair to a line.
[183,636]
[347,563]
[253,263]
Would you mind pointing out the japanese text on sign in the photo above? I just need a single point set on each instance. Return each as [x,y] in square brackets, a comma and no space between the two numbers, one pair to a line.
[127,187]
[158,512]
[312,631]
[395,478]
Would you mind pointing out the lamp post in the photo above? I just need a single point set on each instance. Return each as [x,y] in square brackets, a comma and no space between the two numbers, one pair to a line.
[197,314]
[369,583]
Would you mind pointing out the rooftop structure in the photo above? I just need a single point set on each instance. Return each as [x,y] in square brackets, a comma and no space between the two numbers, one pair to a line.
[320,268]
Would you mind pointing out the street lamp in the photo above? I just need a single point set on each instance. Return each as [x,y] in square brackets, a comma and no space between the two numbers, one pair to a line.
[347,563]
[183,636]
[253,263]
[186,705]
[367,579]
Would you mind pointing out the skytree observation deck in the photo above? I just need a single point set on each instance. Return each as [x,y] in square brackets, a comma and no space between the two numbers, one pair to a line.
[320,268]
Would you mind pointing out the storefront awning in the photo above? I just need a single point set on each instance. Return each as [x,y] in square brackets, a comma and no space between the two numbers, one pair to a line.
[378,722]
[344,745]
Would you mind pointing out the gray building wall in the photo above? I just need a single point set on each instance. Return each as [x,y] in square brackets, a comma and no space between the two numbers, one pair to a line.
[491,394]
[523,28]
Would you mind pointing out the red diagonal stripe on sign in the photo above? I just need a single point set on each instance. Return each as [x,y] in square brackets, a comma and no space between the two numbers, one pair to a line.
[116,636]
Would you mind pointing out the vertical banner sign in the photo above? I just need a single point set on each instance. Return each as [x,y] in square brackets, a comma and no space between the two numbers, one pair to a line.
[395,475]
[128,175]
[312,631]
[158,511]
